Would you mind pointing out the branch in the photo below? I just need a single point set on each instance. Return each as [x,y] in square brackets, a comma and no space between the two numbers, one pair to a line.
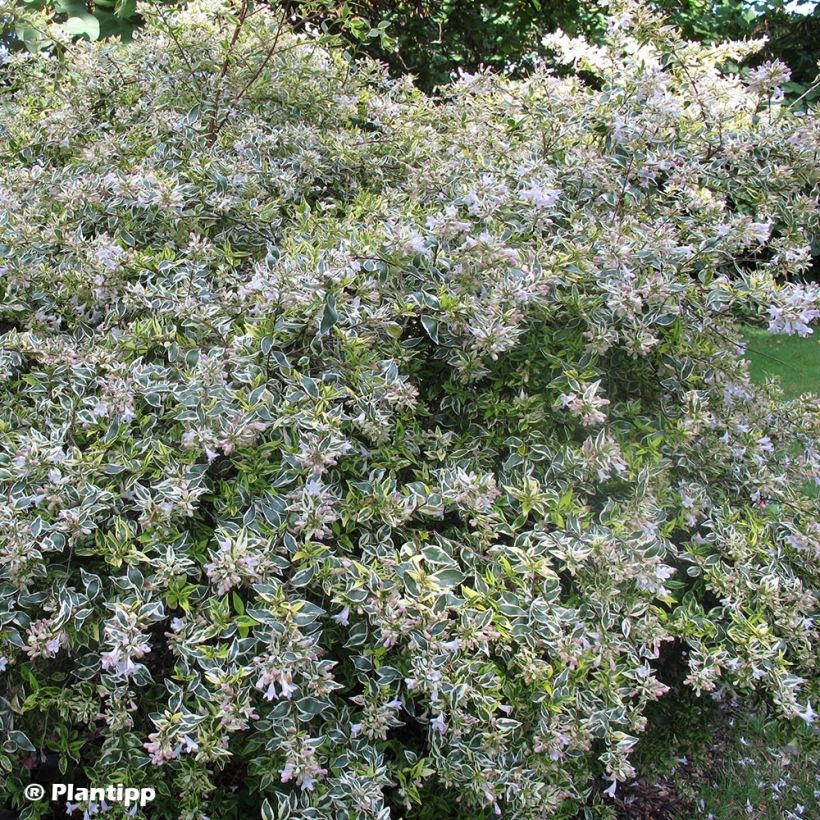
[260,68]
[213,126]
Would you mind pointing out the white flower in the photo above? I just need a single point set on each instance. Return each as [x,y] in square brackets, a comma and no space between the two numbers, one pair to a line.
[287,687]
[808,714]
[540,197]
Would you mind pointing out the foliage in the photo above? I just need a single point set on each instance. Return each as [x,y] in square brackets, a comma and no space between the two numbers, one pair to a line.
[795,40]
[359,447]
[98,19]
[433,39]
[436,38]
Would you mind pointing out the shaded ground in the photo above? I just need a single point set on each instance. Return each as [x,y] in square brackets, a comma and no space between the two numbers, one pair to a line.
[721,763]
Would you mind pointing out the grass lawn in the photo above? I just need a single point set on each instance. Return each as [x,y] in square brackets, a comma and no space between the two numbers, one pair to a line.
[726,763]
[766,773]
[795,361]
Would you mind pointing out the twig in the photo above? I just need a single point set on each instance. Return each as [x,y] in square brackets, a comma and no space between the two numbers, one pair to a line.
[172,34]
[213,127]
[255,76]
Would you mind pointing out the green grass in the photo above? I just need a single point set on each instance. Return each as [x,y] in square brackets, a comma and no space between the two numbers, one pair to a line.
[795,361]
[730,764]
[768,772]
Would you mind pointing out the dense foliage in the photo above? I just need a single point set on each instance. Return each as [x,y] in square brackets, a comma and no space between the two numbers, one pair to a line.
[432,39]
[358,448]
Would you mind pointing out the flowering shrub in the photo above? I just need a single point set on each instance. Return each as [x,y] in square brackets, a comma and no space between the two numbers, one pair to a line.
[360,449]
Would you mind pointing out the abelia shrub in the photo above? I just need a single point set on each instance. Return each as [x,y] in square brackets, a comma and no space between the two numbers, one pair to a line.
[362,450]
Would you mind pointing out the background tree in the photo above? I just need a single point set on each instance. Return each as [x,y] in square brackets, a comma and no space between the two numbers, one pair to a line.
[431,39]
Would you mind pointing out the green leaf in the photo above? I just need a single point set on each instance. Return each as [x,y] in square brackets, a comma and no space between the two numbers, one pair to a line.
[31,38]
[31,680]
[125,9]
[310,707]
[330,315]
[430,326]
[72,8]
[21,741]
[449,577]
[85,25]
